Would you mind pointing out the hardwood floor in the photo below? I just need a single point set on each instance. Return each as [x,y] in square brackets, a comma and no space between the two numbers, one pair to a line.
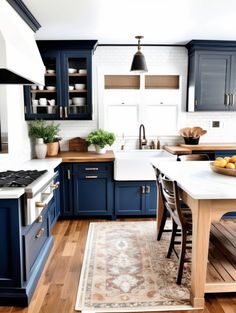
[57,287]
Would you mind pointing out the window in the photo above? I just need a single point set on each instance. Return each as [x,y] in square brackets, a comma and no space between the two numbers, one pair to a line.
[154,103]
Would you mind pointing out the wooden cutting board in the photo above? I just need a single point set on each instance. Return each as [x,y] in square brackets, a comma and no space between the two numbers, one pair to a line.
[78,144]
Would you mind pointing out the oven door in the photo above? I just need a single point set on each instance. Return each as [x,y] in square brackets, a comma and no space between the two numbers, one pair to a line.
[36,204]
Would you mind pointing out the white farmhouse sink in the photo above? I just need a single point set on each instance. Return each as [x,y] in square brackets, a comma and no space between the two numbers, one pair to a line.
[136,164]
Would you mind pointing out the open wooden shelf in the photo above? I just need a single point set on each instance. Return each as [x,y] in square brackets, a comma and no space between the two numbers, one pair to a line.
[77,90]
[221,268]
[43,91]
[161,82]
[122,81]
[77,74]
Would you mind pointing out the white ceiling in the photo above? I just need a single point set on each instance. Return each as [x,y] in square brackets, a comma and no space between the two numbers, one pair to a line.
[118,21]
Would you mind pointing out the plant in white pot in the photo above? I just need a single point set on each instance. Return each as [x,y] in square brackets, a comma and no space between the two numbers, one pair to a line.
[101,138]
[37,131]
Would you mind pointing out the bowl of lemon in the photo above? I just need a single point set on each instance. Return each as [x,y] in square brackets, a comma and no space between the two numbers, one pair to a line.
[225,166]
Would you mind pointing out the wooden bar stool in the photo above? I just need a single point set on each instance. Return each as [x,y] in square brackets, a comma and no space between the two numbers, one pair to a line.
[181,218]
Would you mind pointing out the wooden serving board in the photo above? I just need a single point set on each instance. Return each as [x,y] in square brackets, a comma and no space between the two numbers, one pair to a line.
[78,144]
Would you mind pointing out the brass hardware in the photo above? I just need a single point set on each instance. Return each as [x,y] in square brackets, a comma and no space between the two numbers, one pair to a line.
[231,99]
[91,177]
[68,175]
[225,99]
[40,204]
[91,169]
[39,219]
[45,193]
[143,189]
[40,233]
[61,115]
[196,103]
[66,112]
[147,189]
[55,186]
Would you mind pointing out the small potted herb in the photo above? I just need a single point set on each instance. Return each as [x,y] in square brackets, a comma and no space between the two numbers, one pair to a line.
[52,139]
[101,138]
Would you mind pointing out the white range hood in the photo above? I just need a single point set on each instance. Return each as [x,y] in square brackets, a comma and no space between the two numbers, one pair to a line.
[20,60]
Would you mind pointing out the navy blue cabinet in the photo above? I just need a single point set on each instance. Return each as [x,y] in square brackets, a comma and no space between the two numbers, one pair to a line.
[87,189]
[93,189]
[67,93]
[66,189]
[211,76]
[24,251]
[135,198]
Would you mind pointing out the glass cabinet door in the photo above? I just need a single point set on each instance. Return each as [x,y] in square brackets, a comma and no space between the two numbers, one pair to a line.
[44,101]
[77,87]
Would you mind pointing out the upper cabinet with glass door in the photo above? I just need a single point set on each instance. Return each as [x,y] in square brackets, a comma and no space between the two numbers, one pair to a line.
[67,93]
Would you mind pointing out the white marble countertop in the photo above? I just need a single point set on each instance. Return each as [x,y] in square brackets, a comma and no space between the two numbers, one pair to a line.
[36,164]
[198,180]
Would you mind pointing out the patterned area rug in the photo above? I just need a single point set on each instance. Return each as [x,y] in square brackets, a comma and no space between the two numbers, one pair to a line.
[125,269]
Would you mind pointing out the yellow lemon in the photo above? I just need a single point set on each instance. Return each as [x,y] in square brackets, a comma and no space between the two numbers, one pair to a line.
[230,165]
[233,159]
[219,158]
[227,159]
[220,163]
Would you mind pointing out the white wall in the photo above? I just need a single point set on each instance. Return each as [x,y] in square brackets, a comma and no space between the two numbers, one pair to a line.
[19,148]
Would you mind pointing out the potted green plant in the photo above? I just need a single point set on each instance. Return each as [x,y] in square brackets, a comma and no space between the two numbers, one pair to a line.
[101,138]
[37,132]
[46,136]
[52,139]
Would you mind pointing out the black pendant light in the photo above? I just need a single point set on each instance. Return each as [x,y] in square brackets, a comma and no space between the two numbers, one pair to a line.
[139,63]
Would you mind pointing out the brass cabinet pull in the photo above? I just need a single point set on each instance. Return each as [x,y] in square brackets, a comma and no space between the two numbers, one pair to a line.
[93,177]
[66,112]
[226,100]
[147,189]
[40,233]
[40,204]
[231,99]
[55,186]
[143,189]
[196,103]
[91,169]
[68,175]
[39,219]
[61,115]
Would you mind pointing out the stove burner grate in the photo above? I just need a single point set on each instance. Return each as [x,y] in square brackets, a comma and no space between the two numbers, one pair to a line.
[19,178]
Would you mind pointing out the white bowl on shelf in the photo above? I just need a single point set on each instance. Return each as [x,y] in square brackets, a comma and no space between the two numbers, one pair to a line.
[50,71]
[42,101]
[71,88]
[51,88]
[82,71]
[72,70]
[78,101]
[33,87]
[79,86]
[41,87]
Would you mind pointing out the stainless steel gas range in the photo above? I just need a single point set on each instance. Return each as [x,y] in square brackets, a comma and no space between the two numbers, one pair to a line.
[38,187]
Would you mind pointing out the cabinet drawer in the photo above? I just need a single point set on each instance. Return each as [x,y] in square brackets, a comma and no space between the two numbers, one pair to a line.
[33,242]
[93,168]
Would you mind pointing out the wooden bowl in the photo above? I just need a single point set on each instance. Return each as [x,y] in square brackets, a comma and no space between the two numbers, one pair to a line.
[222,170]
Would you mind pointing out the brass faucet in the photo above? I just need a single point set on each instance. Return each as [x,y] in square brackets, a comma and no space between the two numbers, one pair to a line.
[142,137]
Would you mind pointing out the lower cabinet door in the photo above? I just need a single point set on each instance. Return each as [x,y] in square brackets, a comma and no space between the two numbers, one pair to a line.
[93,195]
[135,198]
[66,190]
[151,198]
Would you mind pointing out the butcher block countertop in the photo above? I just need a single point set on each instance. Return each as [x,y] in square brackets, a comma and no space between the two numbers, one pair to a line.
[71,156]
[187,149]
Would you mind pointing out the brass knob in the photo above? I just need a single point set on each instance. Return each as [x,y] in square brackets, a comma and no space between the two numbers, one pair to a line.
[40,204]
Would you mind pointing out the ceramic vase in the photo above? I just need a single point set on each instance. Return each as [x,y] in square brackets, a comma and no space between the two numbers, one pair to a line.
[40,149]
[100,150]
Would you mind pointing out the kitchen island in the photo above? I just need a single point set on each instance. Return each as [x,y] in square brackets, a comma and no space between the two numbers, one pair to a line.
[209,196]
